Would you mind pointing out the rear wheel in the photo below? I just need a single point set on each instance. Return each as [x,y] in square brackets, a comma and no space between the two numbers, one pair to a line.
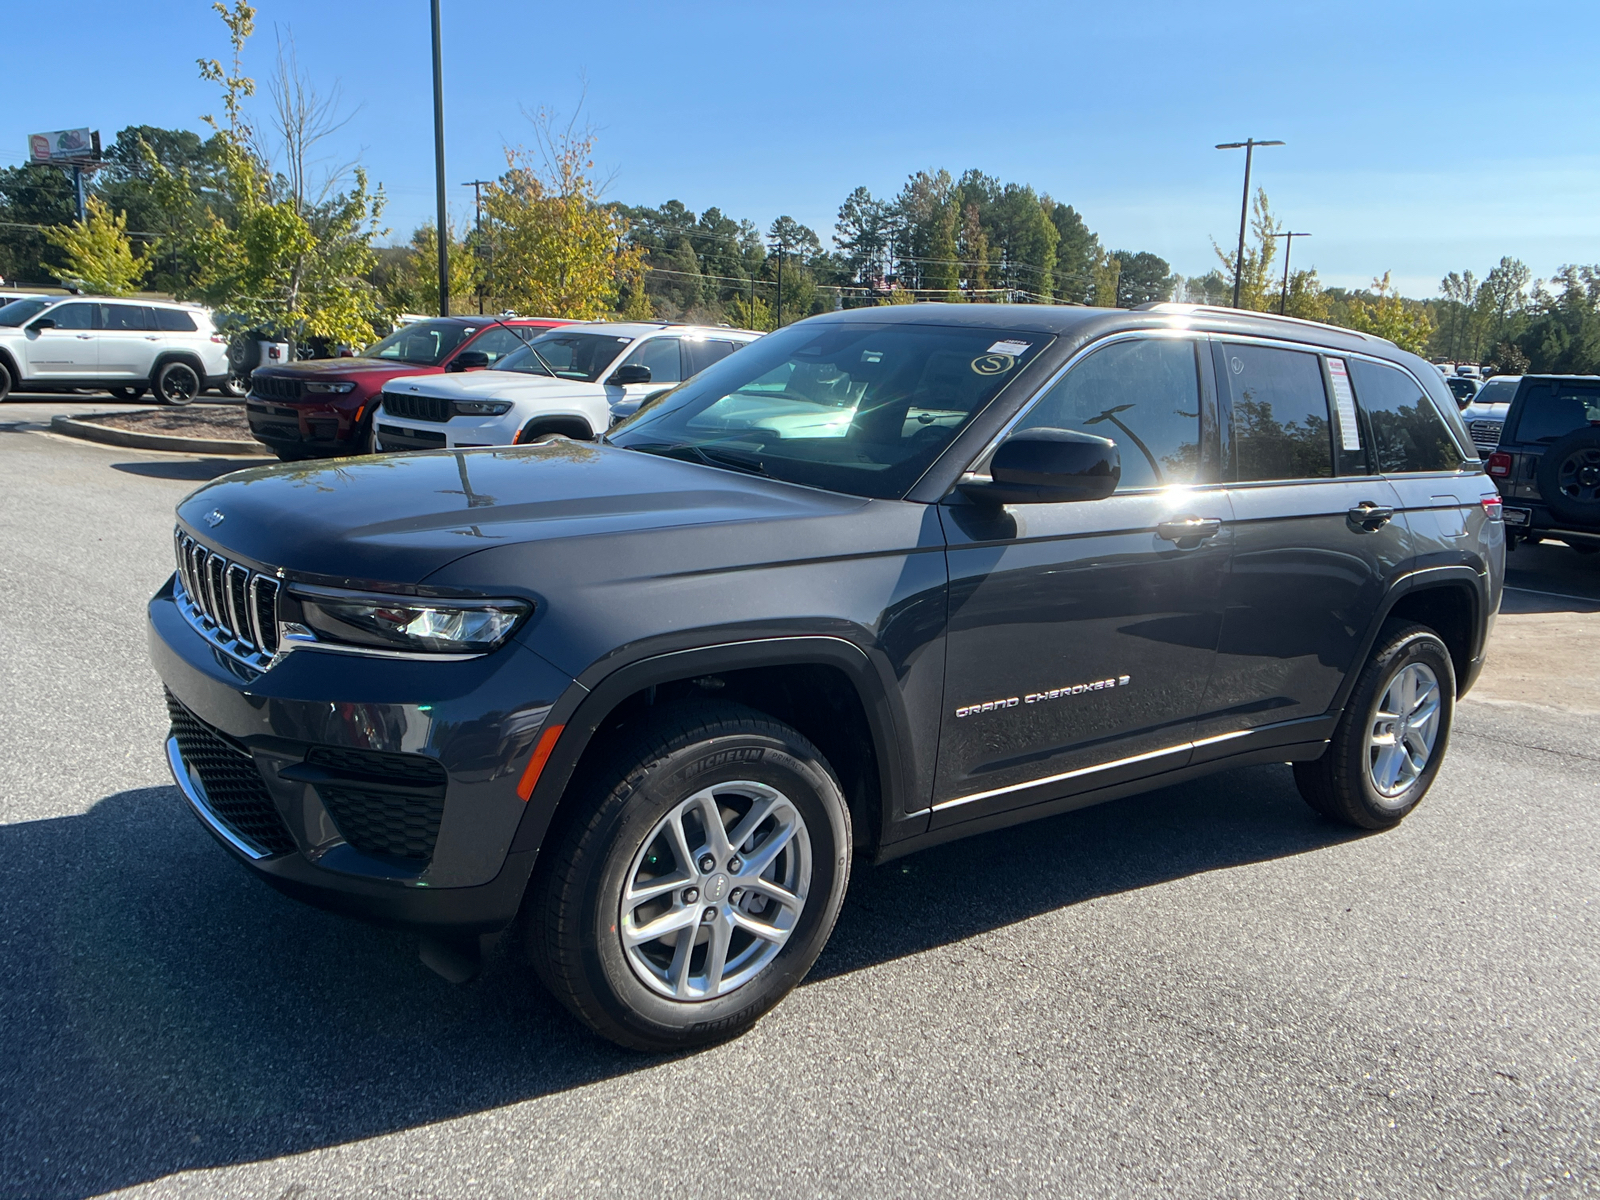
[177,383]
[5,381]
[696,882]
[1391,739]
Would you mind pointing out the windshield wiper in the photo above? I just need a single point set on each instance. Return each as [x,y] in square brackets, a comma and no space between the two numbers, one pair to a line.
[690,452]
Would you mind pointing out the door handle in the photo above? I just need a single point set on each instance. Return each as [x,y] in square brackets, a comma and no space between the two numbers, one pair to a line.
[84,337]
[1371,517]
[150,337]
[1191,530]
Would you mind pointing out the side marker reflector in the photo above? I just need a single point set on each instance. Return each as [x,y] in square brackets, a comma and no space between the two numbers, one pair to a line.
[541,755]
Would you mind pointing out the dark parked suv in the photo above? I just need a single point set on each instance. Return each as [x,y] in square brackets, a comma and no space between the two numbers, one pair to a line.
[885,578]
[1547,461]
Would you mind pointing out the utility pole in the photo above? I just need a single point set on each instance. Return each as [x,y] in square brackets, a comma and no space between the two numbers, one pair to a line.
[443,227]
[1288,245]
[477,186]
[1248,146]
[777,322]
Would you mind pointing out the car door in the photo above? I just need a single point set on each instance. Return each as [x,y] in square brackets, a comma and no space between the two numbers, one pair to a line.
[498,341]
[1415,451]
[128,341]
[1315,544]
[68,349]
[663,357]
[1082,636]
[700,353]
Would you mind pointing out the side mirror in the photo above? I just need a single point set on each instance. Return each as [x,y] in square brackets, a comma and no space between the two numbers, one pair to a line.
[1048,466]
[468,360]
[630,373]
[44,323]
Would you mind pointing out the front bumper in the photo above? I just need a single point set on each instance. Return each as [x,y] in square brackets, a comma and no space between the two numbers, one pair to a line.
[458,433]
[290,756]
[321,428]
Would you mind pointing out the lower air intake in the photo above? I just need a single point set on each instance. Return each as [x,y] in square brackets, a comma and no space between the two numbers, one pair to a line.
[234,791]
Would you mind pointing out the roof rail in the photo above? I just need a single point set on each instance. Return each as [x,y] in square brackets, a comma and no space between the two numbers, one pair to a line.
[1178,308]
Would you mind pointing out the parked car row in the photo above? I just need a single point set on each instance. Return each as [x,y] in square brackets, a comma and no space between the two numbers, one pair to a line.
[459,382]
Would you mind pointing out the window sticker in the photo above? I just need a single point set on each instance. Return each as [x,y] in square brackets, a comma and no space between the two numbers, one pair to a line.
[1011,348]
[993,364]
[1345,401]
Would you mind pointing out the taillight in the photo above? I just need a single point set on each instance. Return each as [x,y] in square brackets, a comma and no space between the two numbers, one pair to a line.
[1499,464]
[1492,507]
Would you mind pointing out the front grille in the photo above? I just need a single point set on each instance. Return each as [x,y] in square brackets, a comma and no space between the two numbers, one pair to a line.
[234,791]
[1486,434]
[416,408]
[387,804]
[233,607]
[276,387]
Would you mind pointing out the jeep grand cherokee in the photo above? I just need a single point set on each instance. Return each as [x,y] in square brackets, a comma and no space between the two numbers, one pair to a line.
[882,579]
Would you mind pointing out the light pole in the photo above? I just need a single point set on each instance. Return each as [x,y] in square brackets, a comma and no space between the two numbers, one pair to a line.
[1249,147]
[477,186]
[438,167]
[1288,245]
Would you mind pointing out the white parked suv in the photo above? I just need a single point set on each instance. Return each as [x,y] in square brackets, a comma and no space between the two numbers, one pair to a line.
[577,381]
[125,346]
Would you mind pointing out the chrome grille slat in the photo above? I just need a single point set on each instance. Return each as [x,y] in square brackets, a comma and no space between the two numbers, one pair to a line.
[416,408]
[231,606]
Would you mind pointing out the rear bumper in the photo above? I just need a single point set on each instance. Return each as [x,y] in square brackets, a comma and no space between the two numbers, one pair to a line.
[1525,517]
[328,836]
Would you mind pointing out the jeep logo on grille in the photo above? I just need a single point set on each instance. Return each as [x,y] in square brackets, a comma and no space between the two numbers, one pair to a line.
[213,518]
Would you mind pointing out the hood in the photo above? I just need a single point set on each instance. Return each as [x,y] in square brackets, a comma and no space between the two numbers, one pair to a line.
[497,385]
[320,367]
[395,519]
[1485,412]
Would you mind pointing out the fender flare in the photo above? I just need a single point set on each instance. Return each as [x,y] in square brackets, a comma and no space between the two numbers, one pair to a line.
[584,709]
[187,357]
[1460,577]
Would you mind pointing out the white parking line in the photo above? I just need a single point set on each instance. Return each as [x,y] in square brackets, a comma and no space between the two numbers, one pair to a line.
[1556,595]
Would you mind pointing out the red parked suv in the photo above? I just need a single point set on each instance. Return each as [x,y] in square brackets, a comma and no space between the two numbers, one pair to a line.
[322,408]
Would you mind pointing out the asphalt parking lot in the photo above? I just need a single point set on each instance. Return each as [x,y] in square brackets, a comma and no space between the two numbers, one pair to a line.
[1204,991]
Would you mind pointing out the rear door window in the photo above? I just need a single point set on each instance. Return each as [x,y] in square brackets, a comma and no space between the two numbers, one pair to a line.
[701,354]
[1550,411]
[1144,395]
[1408,434]
[497,343]
[1280,412]
[125,316]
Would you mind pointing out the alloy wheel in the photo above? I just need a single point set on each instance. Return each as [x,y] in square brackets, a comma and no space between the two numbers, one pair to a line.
[715,891]
[1403,730]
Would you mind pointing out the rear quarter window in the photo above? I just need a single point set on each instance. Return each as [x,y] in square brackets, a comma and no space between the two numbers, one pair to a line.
[175,320]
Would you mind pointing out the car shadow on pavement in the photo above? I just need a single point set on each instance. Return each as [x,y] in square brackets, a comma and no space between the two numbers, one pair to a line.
[199,470]
[163,1011]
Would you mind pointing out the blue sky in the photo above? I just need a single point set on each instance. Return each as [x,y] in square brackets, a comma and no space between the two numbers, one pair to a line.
[1422,137]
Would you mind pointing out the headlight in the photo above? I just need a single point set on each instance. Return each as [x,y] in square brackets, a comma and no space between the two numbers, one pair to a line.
[481,408]
[407,623]
[329,389]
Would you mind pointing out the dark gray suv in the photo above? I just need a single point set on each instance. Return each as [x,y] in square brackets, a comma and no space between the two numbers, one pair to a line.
[885,578]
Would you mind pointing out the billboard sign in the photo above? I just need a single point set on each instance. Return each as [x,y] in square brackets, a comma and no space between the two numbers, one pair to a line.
[64,146]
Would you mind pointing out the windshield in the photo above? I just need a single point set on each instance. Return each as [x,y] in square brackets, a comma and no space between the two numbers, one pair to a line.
[582,356]
[852,407]
[1553,410]
[427,343]
[18,311]
[1497,391]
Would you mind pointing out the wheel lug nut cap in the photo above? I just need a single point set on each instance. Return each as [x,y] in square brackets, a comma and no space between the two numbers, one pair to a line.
[690,895]
[735,865]
[707,863]
[736,895]
[709,915]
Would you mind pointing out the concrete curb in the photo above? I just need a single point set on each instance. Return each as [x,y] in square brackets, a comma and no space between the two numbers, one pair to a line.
[91,432]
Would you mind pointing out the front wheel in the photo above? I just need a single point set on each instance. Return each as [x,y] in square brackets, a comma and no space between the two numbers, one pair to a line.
[177,383]
[695,881]
[1391,739]
[126,393]
[234,386]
